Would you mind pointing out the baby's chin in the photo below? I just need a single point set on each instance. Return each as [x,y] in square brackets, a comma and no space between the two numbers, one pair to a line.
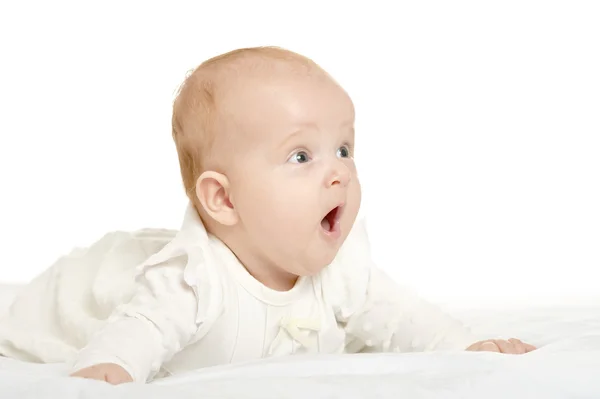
[316,264]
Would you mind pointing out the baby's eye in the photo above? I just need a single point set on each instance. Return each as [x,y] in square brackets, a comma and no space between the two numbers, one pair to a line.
[343,152]
[299,157]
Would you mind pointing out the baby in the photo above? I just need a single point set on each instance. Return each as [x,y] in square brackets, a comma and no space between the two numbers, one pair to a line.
[269,260]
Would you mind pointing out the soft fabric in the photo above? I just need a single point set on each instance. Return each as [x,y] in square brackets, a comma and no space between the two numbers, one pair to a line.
[161,302]
[7,295]
[567,365]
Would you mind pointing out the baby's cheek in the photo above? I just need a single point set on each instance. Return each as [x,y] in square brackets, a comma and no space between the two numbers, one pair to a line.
[351,211]
[282,224]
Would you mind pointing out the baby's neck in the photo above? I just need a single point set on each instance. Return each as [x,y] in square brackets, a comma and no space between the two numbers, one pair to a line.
[257,264]
[268,274]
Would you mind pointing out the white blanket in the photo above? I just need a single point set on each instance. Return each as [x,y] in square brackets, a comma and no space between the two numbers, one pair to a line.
[567,369]
[567,365]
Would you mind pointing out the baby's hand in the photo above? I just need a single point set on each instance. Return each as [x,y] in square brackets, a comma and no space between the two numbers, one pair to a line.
[109,372]
[513,345]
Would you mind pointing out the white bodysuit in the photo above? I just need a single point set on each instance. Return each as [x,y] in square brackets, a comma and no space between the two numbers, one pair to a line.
[195,305]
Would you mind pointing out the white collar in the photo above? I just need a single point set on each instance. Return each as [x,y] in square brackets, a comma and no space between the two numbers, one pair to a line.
[202,248]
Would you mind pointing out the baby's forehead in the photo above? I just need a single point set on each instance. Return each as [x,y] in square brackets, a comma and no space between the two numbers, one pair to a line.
[251,78]
[252,92]
[245,92]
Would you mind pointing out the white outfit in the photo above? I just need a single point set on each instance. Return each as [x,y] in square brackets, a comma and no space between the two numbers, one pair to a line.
[194,305]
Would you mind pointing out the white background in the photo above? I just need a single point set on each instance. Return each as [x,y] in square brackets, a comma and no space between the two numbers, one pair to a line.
[478,129]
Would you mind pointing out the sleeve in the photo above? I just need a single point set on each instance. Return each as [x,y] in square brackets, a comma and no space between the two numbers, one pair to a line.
[169,310]
[380,315]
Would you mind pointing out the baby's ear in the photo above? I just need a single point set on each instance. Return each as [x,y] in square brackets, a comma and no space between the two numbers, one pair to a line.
[212,190]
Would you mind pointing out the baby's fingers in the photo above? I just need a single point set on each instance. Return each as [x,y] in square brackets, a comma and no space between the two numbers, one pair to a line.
[484,346]
[505,346]
[529,348]
[518,347]
[489,346]
[108,372]
[521,347]
[117,378]
[512,346]
[89,373]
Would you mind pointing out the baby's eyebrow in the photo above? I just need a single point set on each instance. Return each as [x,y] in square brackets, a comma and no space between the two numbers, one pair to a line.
[302,130]
[348,124]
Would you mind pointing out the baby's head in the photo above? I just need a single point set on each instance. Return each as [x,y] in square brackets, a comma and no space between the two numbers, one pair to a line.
[265,141]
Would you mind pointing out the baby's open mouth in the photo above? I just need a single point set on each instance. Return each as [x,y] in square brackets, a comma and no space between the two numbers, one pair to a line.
[329,222]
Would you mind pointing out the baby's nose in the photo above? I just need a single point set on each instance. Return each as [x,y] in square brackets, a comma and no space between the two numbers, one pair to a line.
[340,175]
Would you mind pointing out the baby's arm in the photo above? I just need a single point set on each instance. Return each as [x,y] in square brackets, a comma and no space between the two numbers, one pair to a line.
[380,315]
[144,333]
[393,318]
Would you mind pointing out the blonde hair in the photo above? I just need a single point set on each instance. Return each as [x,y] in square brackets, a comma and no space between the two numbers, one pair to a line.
[195,109]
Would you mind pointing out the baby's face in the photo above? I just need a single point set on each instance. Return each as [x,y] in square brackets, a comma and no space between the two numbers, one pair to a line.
[293,179]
